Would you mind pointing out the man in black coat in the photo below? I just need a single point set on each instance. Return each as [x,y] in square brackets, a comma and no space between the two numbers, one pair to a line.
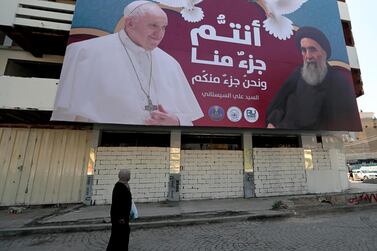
[120,213]
[316,96]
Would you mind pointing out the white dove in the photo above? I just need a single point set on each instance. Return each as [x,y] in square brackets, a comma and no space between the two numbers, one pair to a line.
[276,24]
[189,11]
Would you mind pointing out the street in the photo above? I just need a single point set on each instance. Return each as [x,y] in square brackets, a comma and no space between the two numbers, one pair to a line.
[337,231]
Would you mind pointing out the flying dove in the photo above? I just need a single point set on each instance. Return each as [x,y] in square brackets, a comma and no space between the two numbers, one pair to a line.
[189,11]
[276,23]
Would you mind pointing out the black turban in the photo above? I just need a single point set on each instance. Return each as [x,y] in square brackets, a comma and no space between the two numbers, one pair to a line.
[316,35]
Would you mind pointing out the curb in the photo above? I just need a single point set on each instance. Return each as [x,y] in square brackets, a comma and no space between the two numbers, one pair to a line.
[347,208]
[186,222]
[144,223]
[52,229]
[141,225]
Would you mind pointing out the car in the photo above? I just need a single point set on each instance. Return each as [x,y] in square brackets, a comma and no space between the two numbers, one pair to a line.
[360,174]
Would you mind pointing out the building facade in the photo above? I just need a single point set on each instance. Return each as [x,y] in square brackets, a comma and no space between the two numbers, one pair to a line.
[45,162]
[361,147]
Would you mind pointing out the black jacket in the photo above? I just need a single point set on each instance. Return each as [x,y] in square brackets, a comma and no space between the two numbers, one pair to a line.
[121,204]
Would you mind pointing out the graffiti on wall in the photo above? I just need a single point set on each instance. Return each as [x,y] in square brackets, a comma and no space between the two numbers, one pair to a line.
[363,199]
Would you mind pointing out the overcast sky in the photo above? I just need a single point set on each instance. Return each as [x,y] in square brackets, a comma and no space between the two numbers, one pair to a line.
[364,29]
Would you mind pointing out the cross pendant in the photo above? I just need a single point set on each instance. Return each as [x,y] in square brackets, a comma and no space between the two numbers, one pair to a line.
[150,107]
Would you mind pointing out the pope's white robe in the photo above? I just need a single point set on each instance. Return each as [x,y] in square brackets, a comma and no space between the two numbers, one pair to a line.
[98,83]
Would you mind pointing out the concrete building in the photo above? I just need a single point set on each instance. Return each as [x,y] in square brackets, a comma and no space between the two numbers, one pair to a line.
[361,147]
[44,162]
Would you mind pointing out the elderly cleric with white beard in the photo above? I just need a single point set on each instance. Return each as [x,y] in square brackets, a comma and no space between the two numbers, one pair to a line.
[316,96]
[124,78]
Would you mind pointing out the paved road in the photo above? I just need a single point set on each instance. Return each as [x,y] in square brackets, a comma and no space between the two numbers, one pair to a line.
[341,231]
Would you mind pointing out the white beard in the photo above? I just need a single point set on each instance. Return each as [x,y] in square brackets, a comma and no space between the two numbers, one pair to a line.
[313,73]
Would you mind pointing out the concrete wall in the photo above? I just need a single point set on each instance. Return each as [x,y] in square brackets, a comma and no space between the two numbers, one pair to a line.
[352,57]
[8,12]
[25,93]
[211,174]
[214,174]
[343,11]
[329,172]
[149,172]
[279,171]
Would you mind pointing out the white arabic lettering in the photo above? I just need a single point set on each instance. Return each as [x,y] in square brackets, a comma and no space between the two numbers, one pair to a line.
[224,61]
[208,32]
[229,81]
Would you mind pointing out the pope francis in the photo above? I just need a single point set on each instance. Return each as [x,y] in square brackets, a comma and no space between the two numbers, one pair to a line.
[123,78]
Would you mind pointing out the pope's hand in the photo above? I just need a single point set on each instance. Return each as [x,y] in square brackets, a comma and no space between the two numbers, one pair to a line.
[270,125]
[162,117]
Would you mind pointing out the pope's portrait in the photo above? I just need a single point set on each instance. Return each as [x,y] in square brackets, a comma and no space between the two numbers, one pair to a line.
[124,78]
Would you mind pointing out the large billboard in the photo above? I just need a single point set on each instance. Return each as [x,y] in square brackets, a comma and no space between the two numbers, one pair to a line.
[230,63]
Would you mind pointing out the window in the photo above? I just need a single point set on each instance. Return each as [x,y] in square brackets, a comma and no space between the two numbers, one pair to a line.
[23,68]
[121,139]
[276,141]
[211,142]
[64,1]
[6,41]
[319,139]
[347,31]
[357,82]
[2,37]
[308,156]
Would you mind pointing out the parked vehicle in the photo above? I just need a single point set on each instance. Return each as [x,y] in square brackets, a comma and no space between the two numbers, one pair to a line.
[364,174]
[369,168]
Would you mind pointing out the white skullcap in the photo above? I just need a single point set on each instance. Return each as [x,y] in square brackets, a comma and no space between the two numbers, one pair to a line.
[124,175]
[134,5]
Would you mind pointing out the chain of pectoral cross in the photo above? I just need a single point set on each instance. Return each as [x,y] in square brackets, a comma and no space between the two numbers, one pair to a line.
[150,106]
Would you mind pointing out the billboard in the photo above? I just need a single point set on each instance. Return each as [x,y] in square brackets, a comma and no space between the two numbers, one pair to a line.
[231,63]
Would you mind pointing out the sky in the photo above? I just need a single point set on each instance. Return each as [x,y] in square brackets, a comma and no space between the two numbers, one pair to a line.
[364,29]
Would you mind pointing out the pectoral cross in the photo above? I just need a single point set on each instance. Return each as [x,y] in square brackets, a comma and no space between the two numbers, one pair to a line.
[150,107]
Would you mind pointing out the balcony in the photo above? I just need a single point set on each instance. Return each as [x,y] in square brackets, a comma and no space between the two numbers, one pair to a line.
[21,100]
[343,11]
[352,57]
[25,93]
[38,26]
[44,14]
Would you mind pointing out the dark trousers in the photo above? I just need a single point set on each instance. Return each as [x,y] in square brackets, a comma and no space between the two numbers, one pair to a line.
[120,235]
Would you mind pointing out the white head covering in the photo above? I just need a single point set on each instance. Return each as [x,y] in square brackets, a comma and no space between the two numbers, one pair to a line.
[134,5]
[124,176]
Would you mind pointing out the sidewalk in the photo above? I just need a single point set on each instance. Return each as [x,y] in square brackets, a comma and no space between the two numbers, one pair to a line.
[90,218]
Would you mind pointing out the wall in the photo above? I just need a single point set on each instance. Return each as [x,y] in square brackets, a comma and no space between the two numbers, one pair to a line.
[329,173]
[205,174]
[338,163]
[149,172]
[215,174]
[352,57]
[8,12]
[211,174]
[364,144]
[343,11]
[279,171]
[25,93]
